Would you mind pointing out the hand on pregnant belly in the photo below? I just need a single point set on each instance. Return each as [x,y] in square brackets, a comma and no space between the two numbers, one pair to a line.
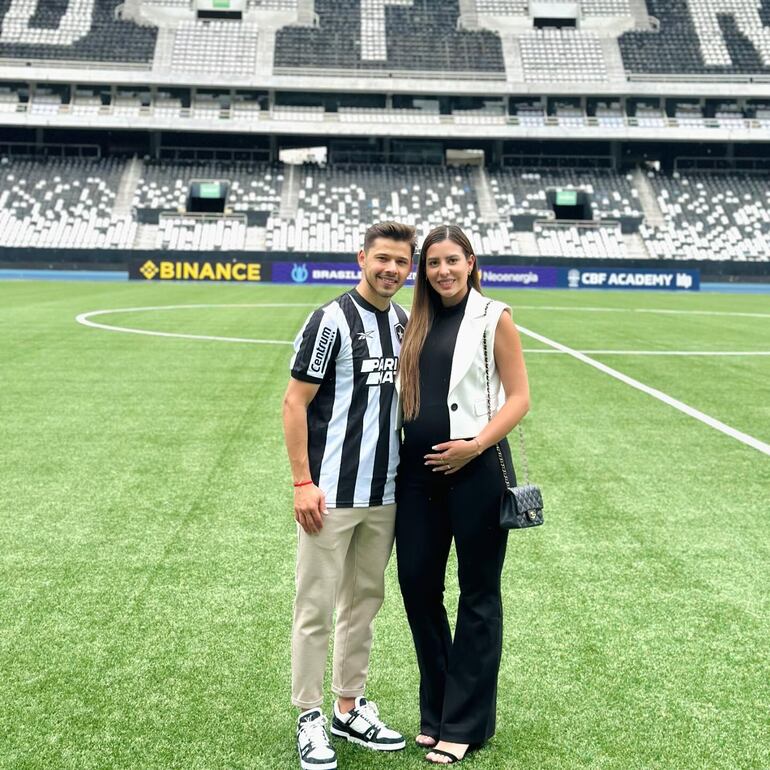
[450,456]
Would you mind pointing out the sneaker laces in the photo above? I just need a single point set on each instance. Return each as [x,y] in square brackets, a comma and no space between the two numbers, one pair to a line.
[315,731]
[371,714]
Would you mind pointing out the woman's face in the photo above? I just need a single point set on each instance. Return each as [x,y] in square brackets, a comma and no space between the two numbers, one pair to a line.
[447,270]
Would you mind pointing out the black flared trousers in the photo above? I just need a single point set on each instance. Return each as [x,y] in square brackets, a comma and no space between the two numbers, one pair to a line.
[458,676]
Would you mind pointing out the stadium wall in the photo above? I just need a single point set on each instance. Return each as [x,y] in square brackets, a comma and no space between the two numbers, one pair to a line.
[99,259]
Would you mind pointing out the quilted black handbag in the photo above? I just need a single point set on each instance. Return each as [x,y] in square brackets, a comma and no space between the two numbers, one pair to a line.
[520,506]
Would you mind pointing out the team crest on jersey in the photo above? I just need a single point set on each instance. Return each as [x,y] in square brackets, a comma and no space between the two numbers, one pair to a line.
[399,329]
[380,371]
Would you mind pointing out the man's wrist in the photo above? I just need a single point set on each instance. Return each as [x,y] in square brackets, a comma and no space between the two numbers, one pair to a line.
[303,483]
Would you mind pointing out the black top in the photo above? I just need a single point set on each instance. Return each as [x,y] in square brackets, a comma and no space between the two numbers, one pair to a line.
[431,426]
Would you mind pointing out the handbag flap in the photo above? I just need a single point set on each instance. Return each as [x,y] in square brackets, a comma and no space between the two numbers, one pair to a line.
[528,498]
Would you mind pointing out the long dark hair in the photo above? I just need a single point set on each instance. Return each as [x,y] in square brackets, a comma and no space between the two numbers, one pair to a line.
[421,315]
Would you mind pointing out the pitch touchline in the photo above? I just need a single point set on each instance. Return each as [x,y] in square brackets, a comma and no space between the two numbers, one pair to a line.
[744,438]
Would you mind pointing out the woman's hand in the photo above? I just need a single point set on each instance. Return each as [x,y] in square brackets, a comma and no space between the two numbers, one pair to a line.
[453,455]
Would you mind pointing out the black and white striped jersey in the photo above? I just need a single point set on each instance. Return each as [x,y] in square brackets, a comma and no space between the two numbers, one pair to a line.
[351,349]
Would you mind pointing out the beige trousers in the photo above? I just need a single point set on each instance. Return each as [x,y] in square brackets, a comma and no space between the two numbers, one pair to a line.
[342,567]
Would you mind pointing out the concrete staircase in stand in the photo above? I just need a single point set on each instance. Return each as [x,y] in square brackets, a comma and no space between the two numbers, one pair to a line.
[289,192]
[256,239]
[647,199]
[164,49]
[146,238]
[640,13]
[488,211]
[613,59]
[124,199]
[635,248]
[528,244]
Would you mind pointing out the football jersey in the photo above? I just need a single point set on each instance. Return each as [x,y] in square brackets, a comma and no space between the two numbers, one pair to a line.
[351,349]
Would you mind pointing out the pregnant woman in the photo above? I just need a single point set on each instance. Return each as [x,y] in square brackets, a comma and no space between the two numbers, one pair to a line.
[449,486]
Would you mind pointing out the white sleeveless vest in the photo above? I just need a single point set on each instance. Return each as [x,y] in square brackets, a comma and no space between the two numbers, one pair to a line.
[467,396]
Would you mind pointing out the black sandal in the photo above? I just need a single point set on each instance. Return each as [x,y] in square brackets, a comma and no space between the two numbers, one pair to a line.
[453,760]
[426,745]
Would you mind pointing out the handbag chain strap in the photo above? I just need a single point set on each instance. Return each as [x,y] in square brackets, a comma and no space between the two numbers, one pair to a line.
[489,414]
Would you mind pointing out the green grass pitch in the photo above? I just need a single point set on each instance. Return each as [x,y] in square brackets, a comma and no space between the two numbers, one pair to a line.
[147,540]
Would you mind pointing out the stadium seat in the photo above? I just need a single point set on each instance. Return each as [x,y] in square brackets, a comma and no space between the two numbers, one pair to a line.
[211,46]
[571,55]
[70,204]
[415,36]
[700,37]
[62,204]
[44,30]
[710,216]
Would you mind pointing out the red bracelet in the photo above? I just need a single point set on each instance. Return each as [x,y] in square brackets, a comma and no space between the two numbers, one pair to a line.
[302,483]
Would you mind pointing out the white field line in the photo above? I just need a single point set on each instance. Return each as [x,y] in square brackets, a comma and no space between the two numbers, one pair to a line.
[640,310]
[556,347]
[85,319]
[658,352]
[712,422]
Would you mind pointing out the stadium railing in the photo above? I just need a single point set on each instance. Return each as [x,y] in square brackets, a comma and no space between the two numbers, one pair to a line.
[697,77]
[386,73]
[85,64]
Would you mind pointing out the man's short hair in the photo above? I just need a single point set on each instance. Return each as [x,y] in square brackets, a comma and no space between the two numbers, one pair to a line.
[394,231]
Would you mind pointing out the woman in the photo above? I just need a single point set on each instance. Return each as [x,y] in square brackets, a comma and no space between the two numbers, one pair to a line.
[449,486]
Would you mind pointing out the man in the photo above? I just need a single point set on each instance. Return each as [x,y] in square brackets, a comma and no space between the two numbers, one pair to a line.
[339,421]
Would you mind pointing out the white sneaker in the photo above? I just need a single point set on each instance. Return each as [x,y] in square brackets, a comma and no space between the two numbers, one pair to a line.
[313,746]
[362,725]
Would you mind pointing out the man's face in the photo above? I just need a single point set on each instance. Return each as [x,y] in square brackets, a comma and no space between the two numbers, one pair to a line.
[386,266]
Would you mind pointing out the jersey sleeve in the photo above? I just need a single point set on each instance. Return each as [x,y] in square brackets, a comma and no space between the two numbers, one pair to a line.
[315,346]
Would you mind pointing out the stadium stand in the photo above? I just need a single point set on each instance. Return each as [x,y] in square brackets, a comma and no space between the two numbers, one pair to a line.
[572,241]
[565,55]
[606,7]
[610,115]
[502,7]
[252,187]
[710,216]
[70,204]
[701,37]
[62,204]
[523,191]
[9,100]
[187,233]
[422,36]
[211,46]
[73,30]
[336,204]
[417,37]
